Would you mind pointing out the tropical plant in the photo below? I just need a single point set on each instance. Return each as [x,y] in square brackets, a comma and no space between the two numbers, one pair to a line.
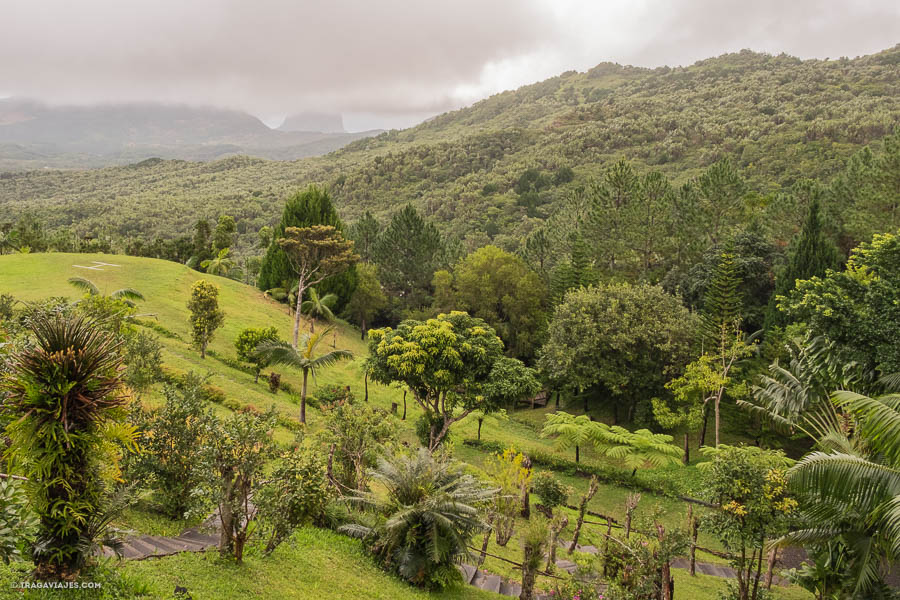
[849,491]
[206,316]
[429,511]
[318,307]
[535,537]
[128,295]
[635,449]
[304,357]
[66,390]
[220,264]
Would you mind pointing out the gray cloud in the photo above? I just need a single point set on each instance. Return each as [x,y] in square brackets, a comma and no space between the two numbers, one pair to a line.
[400,59]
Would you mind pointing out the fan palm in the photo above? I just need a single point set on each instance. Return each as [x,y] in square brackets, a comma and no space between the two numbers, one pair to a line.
[318,307]
[221,264]
[851,492]
[304,357]
[430,511]
[635,448]
[128,295]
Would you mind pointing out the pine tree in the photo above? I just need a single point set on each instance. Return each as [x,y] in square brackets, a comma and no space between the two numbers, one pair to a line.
[408,253]
[364,234]
[310,207]
[722,303]
[810,255]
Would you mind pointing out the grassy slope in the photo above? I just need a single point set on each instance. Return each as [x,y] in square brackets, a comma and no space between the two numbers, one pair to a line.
[314,564]
[166,286]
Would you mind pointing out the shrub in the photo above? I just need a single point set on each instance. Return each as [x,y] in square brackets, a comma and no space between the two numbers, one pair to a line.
[6,306]
[213,394]
[550,490]
[334,394]
[231,404]
[297,492]
[247,341]
[173,437]
[274,382]
[17,522]
[143,360]
[359,434]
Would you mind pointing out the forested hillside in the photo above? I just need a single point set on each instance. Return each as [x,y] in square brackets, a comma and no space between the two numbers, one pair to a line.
[494,170]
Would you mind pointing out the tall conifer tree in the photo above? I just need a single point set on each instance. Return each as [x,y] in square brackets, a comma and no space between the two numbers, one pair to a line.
[309,207]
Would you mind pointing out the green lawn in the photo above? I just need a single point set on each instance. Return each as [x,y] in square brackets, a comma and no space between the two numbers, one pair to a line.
[314,564]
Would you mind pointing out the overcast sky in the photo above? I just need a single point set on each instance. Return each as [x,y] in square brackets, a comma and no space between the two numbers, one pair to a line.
[390,63]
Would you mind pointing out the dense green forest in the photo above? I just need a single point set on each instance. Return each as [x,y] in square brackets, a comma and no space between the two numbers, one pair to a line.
[496,170]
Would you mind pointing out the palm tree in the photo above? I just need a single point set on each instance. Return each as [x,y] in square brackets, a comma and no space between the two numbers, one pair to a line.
[303,357]
[429,510]
[220,265]
[849,491]
[128,295]
[318,307]
[635,448]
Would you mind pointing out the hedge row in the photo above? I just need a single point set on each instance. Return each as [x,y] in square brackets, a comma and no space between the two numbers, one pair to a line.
[660,483]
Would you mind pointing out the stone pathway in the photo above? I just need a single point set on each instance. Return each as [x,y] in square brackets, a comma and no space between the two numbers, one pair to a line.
[195,539]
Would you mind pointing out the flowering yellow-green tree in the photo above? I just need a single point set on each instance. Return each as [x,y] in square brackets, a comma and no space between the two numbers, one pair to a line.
[206,316]
[749,485]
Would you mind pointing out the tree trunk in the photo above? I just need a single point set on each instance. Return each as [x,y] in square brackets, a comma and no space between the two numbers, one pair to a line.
[303,397]
[582,509]
[362,329]
[256,380]
[631,502]
[666,577]
[694,525]
[301,287]
[556,528]
[770,570]
[484,547]
[718,400]
[226,517]
[203,349]
[479,429]
[366,382]
[703,429]
[686,459]
[577,457]
[528,573]
[403,418]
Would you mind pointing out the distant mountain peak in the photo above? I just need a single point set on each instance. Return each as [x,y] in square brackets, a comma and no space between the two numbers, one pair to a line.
[314,121]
